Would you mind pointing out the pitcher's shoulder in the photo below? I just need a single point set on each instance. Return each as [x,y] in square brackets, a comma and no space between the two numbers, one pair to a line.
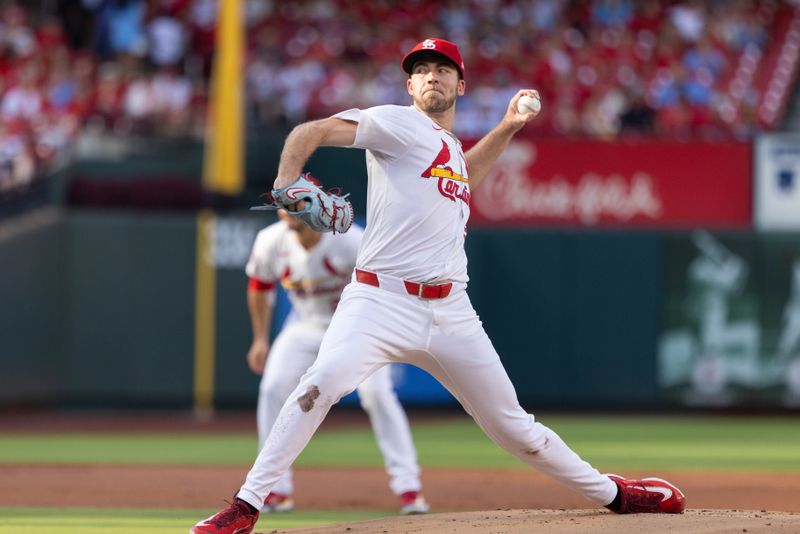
[406,113]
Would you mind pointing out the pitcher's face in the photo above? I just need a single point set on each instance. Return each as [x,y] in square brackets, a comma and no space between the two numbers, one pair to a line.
[434,85]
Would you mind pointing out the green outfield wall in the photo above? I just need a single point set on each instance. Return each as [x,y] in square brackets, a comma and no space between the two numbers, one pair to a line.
[573,314]
[98,308]
[100,305]
[129,318]
[33,301]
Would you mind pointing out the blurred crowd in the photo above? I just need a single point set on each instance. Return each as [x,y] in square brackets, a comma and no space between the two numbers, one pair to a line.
[604,67]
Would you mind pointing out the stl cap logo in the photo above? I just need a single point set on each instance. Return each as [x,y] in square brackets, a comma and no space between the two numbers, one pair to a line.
[429,43]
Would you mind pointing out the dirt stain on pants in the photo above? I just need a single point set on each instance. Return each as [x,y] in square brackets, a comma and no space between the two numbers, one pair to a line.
[534,452]
[306,400]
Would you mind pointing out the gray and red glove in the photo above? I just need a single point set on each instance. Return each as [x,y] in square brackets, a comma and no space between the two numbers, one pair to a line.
[323,211]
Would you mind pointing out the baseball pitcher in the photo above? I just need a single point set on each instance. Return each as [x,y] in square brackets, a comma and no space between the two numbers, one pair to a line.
[406,300]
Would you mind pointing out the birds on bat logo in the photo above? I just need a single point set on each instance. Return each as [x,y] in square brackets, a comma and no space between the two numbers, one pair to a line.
[451,184]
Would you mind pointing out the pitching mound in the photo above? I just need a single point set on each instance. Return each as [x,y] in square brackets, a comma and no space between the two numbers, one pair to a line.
[573,522]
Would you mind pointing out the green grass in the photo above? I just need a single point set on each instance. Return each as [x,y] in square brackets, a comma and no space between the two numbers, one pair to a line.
[132,521]
[612,443]
[636,443]
[225,449]
[766,444]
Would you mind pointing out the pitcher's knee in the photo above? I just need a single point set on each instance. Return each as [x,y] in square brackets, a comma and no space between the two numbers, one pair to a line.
[523,435]
[308,399]
[319,389]
[539,439]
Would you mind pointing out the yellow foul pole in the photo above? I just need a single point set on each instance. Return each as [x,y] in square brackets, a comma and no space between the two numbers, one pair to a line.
[223,173]
[223,163]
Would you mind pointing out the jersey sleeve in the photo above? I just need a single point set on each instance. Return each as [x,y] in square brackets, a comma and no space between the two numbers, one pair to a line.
[261,265]
[387,130]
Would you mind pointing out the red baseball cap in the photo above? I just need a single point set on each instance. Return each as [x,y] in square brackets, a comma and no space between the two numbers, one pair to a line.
[433,45]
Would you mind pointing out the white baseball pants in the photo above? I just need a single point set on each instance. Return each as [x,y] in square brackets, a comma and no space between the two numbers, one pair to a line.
[375,326]
[291,354]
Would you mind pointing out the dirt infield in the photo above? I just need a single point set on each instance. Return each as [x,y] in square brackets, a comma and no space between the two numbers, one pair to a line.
[108,486]
[517,501]
[571,522]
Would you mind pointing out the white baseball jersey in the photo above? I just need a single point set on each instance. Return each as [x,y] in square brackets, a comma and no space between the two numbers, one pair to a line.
[403,183]
[313,279]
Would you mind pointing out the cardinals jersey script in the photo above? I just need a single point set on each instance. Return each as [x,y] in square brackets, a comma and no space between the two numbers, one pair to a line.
[417,200]
[313,279]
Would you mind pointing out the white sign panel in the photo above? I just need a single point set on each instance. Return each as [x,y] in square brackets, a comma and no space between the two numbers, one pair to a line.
[777,182]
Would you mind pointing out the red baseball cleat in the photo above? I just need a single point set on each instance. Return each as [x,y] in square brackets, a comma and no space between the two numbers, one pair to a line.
[237,518]
[277,503]
[648,495]
[412,503]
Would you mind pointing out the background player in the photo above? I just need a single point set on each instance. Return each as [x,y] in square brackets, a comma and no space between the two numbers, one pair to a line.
[313,268]
[407,301]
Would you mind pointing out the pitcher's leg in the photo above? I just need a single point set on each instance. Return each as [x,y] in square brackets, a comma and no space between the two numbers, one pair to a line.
[359,341]
[471,369]
[391,429]
[291,354]
[321,387]
[368,327]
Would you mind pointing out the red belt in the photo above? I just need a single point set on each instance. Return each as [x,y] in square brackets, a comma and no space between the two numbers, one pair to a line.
[423,291]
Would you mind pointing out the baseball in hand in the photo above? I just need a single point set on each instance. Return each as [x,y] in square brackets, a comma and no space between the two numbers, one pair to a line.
[529,104]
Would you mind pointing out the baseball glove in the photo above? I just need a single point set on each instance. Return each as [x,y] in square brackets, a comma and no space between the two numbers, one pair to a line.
[323,211]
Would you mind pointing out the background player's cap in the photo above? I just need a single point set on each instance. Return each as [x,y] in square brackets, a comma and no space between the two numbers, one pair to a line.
[434,46]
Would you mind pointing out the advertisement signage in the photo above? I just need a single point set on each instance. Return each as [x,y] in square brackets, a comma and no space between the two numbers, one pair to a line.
[777,182]
[643,184]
